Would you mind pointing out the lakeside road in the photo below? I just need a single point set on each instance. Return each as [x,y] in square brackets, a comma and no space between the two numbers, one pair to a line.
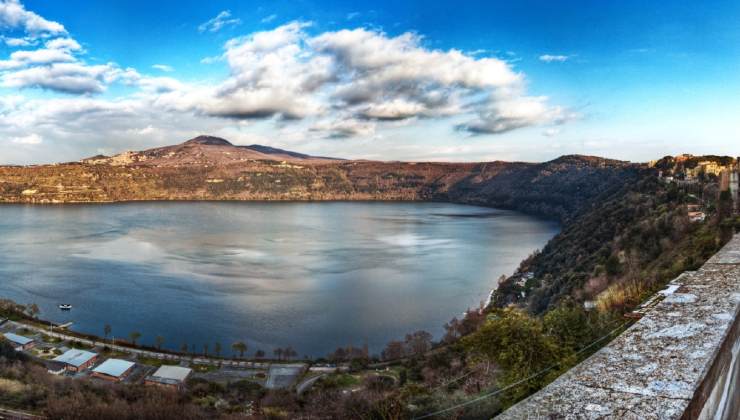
[6,413]
[200,360]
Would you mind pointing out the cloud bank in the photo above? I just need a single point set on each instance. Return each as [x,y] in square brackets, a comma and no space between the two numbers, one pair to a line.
[341,84]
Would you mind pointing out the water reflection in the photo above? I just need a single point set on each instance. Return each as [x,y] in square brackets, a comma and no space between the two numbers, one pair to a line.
[310,275]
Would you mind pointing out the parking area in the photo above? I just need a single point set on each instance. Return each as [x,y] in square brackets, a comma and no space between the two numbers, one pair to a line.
[47,346]
[284,376]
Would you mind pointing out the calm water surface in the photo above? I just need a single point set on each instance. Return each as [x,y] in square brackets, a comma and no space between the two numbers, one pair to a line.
[311,275]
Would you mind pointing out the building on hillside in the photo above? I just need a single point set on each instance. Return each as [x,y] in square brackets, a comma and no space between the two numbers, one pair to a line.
[114,370]
[77,360]
[54,367]
[697,216]
[20,342]
[172,376]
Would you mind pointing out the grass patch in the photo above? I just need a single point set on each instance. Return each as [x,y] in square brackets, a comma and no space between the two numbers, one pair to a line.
[11,386]
[203,368]
[340,381]
[79,345]
[51,340]
[156,362]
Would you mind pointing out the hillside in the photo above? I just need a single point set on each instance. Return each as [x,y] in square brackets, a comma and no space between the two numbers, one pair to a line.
[210,168]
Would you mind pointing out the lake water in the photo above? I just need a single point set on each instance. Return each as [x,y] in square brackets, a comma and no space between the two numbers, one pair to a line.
[314,276]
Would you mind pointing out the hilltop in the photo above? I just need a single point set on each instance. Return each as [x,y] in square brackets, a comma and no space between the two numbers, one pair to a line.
[202,150]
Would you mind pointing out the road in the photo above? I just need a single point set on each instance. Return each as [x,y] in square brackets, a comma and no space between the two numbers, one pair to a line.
[6,413]
[200,360]
[308,383]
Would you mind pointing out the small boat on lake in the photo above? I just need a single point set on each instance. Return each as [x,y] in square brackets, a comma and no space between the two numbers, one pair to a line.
[65,306]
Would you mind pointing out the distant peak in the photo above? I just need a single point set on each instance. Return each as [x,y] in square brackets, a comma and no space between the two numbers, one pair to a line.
[209,140]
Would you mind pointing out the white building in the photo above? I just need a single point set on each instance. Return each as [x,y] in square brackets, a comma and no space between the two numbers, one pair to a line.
[173,376]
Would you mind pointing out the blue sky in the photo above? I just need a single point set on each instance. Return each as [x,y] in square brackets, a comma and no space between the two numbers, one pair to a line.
[412,80]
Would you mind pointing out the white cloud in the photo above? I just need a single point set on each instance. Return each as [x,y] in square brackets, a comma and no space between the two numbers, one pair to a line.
[344,128]
[14,16]
[56,66]
[268,19]
[73,78]
[24,58]
[16,42]
[221,20]
[30,139]
[352,15]
[67,44]
[549,58]
[551,132]
[163,67]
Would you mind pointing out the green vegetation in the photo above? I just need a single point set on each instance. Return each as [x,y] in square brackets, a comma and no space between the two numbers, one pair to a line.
[156,362]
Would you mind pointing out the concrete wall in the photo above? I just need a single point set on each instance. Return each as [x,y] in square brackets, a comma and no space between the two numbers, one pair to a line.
[680,361]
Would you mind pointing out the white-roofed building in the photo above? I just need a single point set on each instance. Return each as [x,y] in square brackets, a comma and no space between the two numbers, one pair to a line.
[173,376]
[114,369]
[19,342]
[77,360]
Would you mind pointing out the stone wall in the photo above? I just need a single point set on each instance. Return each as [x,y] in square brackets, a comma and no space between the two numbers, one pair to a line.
[680,361]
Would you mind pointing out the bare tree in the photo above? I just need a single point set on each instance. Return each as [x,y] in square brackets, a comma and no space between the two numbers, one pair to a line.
[134,335]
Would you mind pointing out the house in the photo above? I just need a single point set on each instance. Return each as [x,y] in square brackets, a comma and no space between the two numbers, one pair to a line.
[172,376]
[20,342]
[55,368]
[77,360]
[113,370]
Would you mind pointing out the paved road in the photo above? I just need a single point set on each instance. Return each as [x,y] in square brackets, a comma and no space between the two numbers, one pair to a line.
[17,415]
[200,360]
[308,383]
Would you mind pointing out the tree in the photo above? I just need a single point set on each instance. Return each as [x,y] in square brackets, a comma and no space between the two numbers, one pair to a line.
[33,310]
[419,342]
[217,349]
[184,347]
[289,353]
[340,354]
[159,340]
[107,330]
[517,344]
[393,350]
[570,325]
[278,352]
[134,335]
[259,354]
[241,347]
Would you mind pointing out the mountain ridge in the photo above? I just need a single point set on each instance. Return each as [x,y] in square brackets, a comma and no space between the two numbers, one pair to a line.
[211,168]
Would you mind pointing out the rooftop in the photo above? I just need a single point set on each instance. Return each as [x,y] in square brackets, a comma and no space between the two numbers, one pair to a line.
[114,367]
[19,339]
[75,357]
[171,373]
[654,369]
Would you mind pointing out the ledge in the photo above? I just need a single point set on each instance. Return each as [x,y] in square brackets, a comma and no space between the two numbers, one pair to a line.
[666,365]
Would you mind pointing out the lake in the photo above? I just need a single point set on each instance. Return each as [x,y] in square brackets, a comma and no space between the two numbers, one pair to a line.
[314,276]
